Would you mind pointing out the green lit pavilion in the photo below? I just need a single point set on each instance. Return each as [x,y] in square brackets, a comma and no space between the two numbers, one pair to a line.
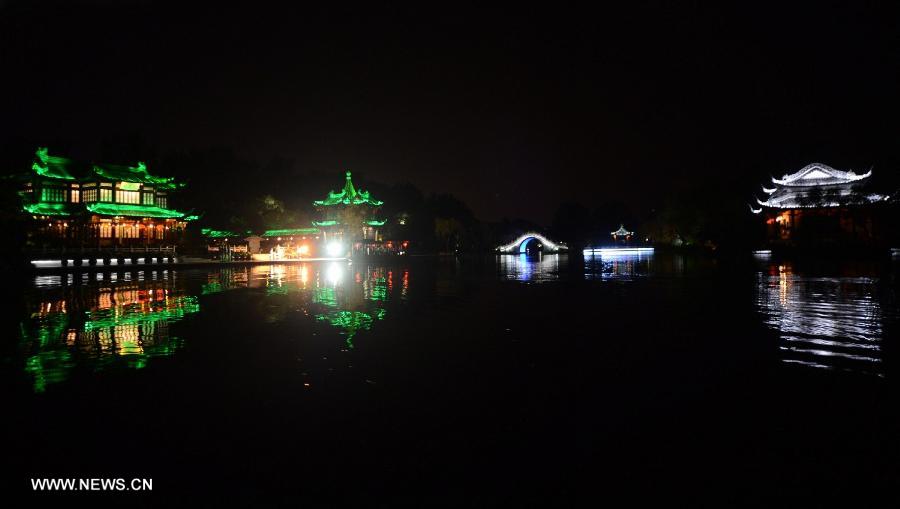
[349,215]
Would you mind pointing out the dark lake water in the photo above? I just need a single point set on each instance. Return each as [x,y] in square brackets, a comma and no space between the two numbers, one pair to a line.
[476,381]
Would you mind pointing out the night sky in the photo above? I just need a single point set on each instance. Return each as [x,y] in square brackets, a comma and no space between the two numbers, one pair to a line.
[512,109]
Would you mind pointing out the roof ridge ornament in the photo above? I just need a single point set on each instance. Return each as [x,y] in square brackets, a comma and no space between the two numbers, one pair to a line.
[348,195]
[621,231]
[819,174]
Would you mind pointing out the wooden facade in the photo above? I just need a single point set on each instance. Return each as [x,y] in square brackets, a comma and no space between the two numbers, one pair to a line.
[75,205]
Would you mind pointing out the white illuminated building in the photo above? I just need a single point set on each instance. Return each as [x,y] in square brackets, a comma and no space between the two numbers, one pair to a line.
[822,206]
[816,185]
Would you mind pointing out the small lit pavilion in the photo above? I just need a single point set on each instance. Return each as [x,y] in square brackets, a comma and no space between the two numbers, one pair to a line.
[622,234]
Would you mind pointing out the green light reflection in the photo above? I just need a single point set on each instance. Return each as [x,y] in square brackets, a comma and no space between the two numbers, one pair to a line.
[126,325]
[94,324]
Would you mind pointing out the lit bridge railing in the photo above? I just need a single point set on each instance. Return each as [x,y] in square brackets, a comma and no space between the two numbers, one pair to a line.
[518,245]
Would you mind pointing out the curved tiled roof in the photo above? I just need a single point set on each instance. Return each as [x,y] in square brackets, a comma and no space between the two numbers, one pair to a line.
[816,185]
[348,196]
[818,174]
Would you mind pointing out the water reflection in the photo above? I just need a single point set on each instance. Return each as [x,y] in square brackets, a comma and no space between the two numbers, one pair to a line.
[610,265]
[226,279]
[533,269]
[824,322]
[97,320]
[98,325]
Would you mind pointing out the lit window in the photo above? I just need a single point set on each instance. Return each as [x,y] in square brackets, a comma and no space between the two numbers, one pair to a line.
[132,197]
[106,194]
[127,231]
[53,194]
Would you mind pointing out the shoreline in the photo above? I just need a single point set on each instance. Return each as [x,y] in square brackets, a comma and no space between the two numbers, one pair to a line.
[179,262]
[34,266]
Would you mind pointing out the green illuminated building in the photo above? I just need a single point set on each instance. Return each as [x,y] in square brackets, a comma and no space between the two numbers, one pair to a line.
[98,205]
[350,216]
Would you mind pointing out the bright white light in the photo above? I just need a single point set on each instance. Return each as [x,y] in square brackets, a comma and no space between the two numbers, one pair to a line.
[335,249]
[617,250]
[46,263]
[334,273]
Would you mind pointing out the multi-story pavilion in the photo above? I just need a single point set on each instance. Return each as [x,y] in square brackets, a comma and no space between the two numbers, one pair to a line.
[350,217]
[821,204]
[82,205]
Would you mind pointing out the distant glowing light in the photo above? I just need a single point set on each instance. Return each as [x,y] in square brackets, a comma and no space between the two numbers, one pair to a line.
[303,250]
[335,249]
[618,250]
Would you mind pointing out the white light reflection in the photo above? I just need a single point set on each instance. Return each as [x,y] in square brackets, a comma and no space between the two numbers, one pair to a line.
[334,274]
[47,281]
[532,269]
[827,323]
[620,264]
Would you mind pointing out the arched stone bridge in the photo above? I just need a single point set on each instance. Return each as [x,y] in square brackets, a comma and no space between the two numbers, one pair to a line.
[519,245]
